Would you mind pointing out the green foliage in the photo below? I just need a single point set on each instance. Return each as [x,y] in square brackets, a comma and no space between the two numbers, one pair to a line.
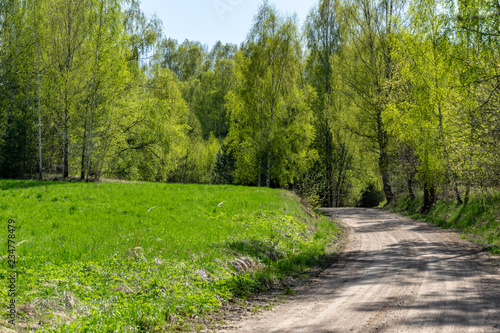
[371,197]
[421,114]
[87,262]
[271,130]
[209,98]
[222,173]
[17,93]
[398,93]
[142,31]
[323,30]
[17,148]
[437,103]
[185,60]
[479,220]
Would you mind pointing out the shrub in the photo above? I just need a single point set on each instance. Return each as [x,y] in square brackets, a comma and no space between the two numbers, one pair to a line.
[371,197]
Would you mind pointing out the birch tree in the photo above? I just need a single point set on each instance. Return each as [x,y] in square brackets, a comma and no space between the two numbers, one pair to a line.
[323,30]
[368,66]
[270,119]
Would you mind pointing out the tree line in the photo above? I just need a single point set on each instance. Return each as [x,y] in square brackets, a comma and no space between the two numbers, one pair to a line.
[400,96]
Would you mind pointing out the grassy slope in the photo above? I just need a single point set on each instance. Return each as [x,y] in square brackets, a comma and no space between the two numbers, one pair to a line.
[479,220]
[148,257]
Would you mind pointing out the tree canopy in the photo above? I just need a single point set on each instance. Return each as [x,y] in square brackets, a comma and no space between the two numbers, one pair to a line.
[394,96]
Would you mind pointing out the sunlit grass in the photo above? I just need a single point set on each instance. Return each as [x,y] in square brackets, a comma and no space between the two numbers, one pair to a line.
[150,257]
[478,220]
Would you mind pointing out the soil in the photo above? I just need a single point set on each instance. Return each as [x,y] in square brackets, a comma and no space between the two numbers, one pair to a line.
[395,275]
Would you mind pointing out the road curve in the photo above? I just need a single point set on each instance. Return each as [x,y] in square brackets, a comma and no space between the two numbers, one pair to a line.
[397,275]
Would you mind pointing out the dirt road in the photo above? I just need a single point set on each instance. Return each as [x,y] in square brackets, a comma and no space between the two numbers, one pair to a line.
[397,275]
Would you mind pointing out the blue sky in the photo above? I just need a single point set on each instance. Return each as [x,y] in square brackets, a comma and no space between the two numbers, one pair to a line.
[208,21]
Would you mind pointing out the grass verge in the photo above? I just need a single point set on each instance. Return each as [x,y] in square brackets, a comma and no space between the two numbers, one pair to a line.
[147,257]
[478,221]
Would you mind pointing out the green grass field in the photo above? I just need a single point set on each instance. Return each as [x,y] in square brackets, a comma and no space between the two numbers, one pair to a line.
[144,257]
[478,221]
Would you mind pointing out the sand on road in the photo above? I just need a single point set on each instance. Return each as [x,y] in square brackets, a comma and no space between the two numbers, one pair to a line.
[396,275]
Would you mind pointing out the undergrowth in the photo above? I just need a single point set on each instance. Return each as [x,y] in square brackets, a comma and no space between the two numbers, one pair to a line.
[478,220]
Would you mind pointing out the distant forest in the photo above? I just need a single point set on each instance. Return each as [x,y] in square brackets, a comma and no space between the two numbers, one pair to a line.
[390,96]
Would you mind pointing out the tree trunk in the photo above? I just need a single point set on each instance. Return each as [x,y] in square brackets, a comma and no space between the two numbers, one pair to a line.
[429,197]
[441,132]
[447,158]
[259,176]
[268,174]
[84,152]
[409,182]
[340,201]
[384,170]
[467,195]
[89,156]
[261,139]
[40,166]
[329,163]
[338,187]
[94,92]
[66,100]
[185,167]
[381,133]
[66,145]
[102,158]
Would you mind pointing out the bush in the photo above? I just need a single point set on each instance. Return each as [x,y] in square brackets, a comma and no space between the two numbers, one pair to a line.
[371,197]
